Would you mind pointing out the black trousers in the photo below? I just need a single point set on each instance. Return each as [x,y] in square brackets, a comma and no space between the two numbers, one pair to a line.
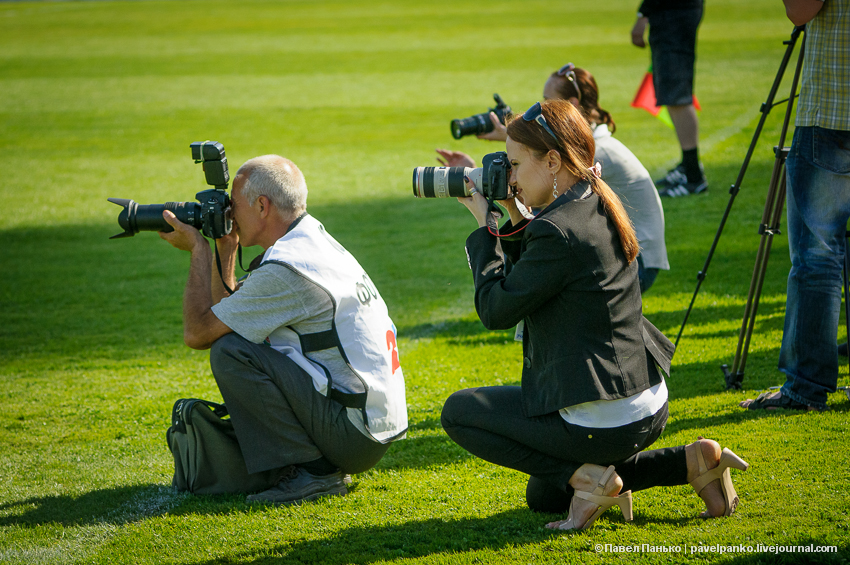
[489,423]
[279,418]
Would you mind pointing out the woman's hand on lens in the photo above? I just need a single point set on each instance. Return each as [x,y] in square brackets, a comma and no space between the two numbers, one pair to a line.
[499,133]
[475,203]
[454,159]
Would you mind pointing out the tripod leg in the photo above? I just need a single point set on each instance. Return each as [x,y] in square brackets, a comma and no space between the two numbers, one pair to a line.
[733,191]
[772,230]
[770,226]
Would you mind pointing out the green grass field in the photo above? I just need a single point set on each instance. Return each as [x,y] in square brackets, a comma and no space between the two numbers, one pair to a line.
[101,99]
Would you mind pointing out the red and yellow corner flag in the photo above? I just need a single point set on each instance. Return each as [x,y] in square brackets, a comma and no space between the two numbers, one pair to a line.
[645,98]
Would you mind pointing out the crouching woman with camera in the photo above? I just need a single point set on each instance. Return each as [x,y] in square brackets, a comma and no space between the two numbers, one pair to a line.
[592,396]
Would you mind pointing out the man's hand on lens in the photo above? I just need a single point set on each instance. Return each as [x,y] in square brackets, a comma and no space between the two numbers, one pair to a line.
[184,236]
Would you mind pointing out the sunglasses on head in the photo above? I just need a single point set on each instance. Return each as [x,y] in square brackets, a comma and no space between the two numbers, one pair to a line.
[568,71]
[535,114]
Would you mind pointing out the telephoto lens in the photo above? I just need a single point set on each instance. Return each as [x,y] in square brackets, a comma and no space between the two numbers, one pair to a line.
[148,217]
[480,123]
[444,182]
[473,125]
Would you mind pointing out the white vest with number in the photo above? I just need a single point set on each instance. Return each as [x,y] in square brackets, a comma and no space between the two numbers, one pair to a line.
[362,332]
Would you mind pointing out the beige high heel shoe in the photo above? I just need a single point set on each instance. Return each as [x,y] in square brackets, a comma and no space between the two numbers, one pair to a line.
[727,460]
[623,500]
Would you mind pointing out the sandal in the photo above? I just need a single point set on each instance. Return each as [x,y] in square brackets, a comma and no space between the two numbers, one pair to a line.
[727,460]
[624,500]
[764,401]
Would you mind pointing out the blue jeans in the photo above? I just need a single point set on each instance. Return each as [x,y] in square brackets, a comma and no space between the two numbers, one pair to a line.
[818,204]
[646,276]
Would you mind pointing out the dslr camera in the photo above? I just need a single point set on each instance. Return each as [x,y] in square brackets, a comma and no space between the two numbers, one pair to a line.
[480,123]
[210,214]
[491,179]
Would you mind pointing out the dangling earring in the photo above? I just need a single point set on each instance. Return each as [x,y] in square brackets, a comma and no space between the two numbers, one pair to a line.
[555,188]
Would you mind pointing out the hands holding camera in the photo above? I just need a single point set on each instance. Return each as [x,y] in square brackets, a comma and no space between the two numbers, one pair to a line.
[476,203]
[499,132]
[184,236]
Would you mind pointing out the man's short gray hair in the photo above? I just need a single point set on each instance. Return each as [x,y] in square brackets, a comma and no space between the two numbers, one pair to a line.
[276,178]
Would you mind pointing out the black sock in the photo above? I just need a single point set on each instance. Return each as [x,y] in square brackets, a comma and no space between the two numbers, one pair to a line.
[319,467]
[690,159]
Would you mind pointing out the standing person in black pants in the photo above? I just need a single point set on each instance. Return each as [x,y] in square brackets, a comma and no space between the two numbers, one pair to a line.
[673,40]
[592,396]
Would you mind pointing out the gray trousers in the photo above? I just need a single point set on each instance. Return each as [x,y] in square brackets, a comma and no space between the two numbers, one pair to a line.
[280,419]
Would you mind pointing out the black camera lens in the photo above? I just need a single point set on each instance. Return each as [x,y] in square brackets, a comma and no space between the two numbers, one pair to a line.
[439,182]
[480,123]
[473,125]
[148,217]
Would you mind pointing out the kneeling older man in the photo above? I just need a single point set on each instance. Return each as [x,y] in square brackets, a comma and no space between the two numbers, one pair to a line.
[303,352]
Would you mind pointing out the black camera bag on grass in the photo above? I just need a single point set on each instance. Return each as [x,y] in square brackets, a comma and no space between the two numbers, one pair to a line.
[207,458]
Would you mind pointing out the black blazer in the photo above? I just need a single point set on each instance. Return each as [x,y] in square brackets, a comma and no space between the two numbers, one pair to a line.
[585,336]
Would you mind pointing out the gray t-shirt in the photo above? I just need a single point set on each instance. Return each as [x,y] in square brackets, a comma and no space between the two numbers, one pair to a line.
[275,295]
[630,180]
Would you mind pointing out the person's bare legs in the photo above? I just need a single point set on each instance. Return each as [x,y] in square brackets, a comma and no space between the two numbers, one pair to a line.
[687,130]
[686,124]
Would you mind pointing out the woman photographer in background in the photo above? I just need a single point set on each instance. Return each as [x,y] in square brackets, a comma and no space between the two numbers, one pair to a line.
[592,396]
[621,170]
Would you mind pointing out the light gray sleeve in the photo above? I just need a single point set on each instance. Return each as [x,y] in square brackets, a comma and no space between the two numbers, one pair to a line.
[630,180]
[268,299]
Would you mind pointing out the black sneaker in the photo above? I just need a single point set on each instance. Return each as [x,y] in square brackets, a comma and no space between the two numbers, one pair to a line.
[685,189]
[297,485]
[673,177]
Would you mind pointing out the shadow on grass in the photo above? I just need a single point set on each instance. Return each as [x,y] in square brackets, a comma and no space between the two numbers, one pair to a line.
[446,328]
[423,452]
[460,330]
[116,506]
[415,539]
[75,288]
[738,416]
[770,315]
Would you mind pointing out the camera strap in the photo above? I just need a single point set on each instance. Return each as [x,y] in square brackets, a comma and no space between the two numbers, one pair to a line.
[495,213]
[218,264]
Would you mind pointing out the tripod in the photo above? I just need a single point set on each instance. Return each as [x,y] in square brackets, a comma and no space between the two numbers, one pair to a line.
[769,227]
[770,219]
